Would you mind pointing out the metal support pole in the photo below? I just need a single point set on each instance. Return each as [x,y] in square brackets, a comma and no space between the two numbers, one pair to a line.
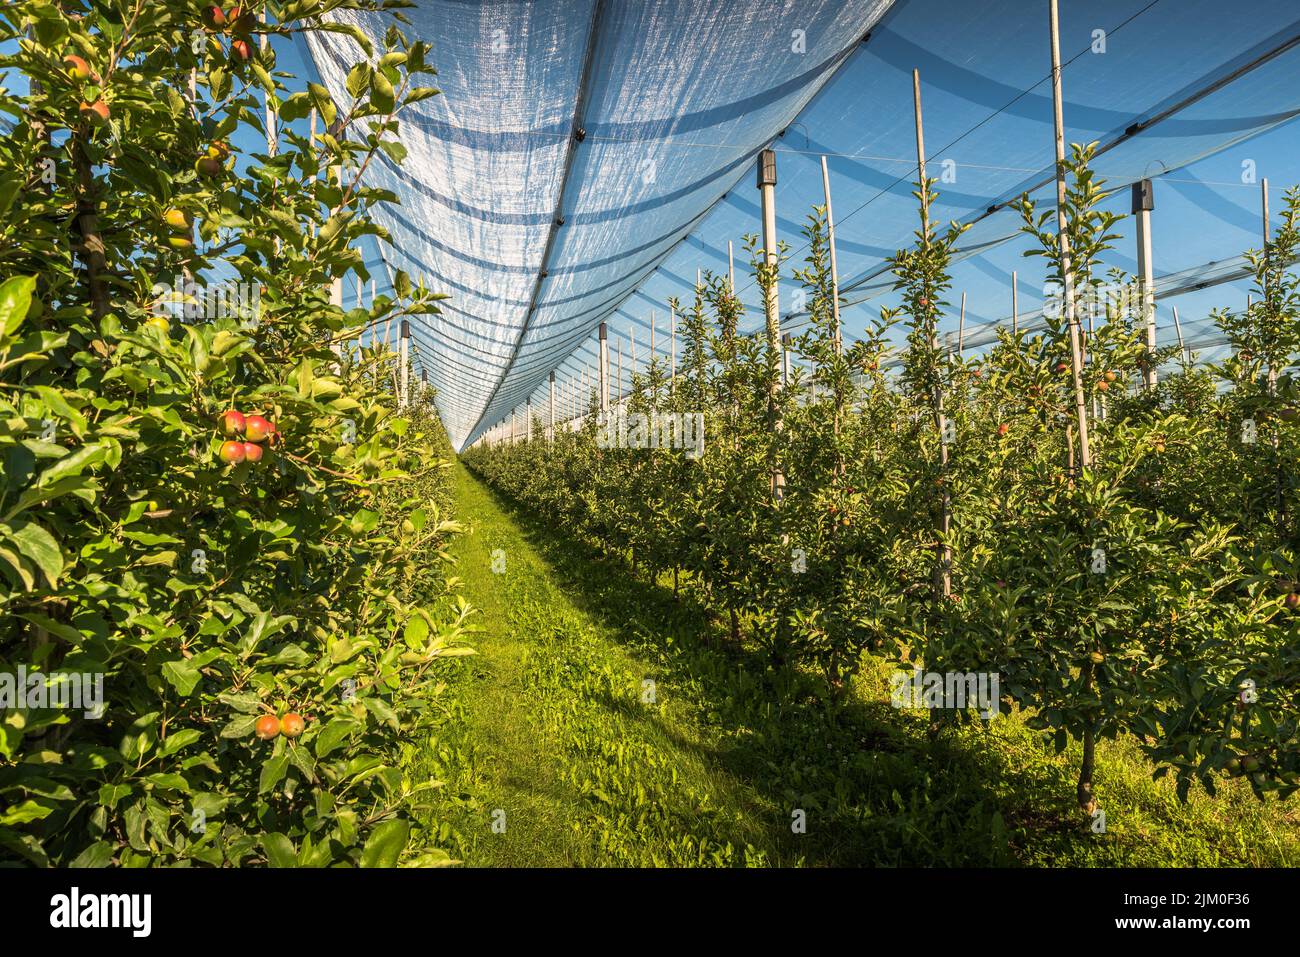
[785,361]
[767,193]
[961,327]
[1015,303]
[604,369]
[1178,329]
[1264,286]
[1263,208]
[731,268]
[403,352]
[1143,204]
[672,361]
[550,432]
[272,118]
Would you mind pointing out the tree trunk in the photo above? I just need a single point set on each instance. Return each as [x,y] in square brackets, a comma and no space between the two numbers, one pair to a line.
[92,244]
[1087,802]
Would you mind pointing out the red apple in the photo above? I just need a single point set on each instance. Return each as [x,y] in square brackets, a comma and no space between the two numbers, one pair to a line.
[1062,367]
[241,21]
[232,452]
[292,725]
[267,727]
[78,68]
[96,114]
[1003,428]
[240,51]
[231,422]
[257,428]
[214,18]
[1292,601]
[252,452]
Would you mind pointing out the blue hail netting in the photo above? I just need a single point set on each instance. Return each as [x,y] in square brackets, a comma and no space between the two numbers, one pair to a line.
[637,125]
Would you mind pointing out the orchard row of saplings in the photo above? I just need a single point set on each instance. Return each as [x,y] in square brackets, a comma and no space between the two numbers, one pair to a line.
[943,514]
[268,616]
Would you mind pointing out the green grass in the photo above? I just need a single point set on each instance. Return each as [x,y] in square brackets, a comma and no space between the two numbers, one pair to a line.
[553,724]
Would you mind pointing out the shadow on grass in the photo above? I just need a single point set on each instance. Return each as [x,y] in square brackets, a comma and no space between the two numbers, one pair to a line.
[871,786]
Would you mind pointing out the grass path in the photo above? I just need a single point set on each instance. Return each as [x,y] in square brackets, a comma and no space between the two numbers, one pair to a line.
[552,723]
[604,723]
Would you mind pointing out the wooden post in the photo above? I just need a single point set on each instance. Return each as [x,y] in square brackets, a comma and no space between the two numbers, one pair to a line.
[944,572]
[1143,204]
[604,368]
[1084,793]
[1067,270]
[835,271]
[550,432]
[731,269]
[404,372]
